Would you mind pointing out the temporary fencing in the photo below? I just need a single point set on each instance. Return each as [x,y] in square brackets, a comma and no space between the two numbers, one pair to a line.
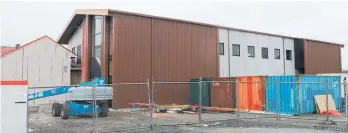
[199,101]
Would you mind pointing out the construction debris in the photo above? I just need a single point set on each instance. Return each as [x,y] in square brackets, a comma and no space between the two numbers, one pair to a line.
[320,101]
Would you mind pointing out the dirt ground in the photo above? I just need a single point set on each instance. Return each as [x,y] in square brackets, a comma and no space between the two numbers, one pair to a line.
[138,121]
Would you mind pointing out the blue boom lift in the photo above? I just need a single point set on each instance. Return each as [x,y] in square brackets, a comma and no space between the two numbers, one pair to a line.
[79,99]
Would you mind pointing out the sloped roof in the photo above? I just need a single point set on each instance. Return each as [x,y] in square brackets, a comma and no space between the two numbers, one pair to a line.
[79,14]
[6,49]
[9,50]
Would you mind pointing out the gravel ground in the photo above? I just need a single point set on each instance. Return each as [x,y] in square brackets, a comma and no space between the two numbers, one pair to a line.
[44,122]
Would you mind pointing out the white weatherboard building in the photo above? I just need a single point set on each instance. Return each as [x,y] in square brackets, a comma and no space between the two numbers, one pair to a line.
[249,54]
[42,62]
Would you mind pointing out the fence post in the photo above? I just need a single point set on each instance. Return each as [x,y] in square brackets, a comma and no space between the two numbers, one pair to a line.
[94,104]
[278,99]
[200,102]
[327,101]
[238,99]
[150,101]
[345,95]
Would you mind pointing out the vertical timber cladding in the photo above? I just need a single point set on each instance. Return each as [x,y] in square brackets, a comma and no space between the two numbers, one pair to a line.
[164,50]
[181,51]
[321,57]
[86,47]
[131,59]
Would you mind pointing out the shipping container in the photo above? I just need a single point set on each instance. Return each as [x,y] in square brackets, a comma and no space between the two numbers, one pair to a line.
[251,92]
[223,94]
[296,98]
[344,78]
[194,92]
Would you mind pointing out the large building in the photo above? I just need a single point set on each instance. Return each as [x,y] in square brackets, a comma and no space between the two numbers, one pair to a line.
[129,47]
[42,62]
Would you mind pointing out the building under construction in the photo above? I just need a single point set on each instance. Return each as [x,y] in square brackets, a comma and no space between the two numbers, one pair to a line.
[129,47]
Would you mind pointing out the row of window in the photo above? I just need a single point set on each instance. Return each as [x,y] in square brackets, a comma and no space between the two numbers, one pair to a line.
[78,51]
[251,52]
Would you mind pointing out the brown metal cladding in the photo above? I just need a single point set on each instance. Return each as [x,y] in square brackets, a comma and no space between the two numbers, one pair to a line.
[105,49]
[321,57]
[181,51]
[131,58]
[223,95]
[86,48]
[163,50]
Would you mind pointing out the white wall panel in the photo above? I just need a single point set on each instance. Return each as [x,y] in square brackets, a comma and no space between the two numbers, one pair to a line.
[42,63]
[244,65]
[76,39]
[223,38]
[289,64]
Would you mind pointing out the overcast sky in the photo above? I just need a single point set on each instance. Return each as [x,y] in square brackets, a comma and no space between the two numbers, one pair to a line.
[22,22]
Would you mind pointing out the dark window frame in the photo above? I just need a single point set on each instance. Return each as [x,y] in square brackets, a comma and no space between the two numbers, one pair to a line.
[253,53]
[222,45]
[73,50]
[233,52]
[78,50]
[288,57]
[275,53]
[264,55]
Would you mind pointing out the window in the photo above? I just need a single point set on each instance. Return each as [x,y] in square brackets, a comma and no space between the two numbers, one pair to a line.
[288,55]
[251,51]
[264,52]
[235,50]
[97,36]
[276,53]
[78,52]
[222,49]
[73,50]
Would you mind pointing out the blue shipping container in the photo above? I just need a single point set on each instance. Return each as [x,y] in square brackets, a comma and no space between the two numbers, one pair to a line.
[299,98]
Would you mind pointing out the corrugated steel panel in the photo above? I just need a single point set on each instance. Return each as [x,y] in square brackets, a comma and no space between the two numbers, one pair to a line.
[194,92]
[299,98]
[321,57]
[223,95]
[181,51]
[131,58]
[288,94]
[308,91]
[251,92]
[163,50]
[344,78]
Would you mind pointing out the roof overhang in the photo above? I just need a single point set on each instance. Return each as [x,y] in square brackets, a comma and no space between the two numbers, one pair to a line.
[76,20]
[325,42]
[79,14]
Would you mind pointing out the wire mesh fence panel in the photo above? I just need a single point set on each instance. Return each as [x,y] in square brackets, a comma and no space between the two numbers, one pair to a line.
[172,102]
[55,112]
[309,101]
[130,108]
[87,108]
[252,98]
[222,93]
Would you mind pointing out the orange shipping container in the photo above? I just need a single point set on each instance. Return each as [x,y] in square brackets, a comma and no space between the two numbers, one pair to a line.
[251,92]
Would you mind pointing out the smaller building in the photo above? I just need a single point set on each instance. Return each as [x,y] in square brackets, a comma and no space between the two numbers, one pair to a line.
[42,62]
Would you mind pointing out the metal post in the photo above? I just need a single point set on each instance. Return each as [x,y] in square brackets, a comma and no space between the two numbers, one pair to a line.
[278,99]
[238,100]
[327,102]
[150,101]
[345,102]
[94,104]
[200,102]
